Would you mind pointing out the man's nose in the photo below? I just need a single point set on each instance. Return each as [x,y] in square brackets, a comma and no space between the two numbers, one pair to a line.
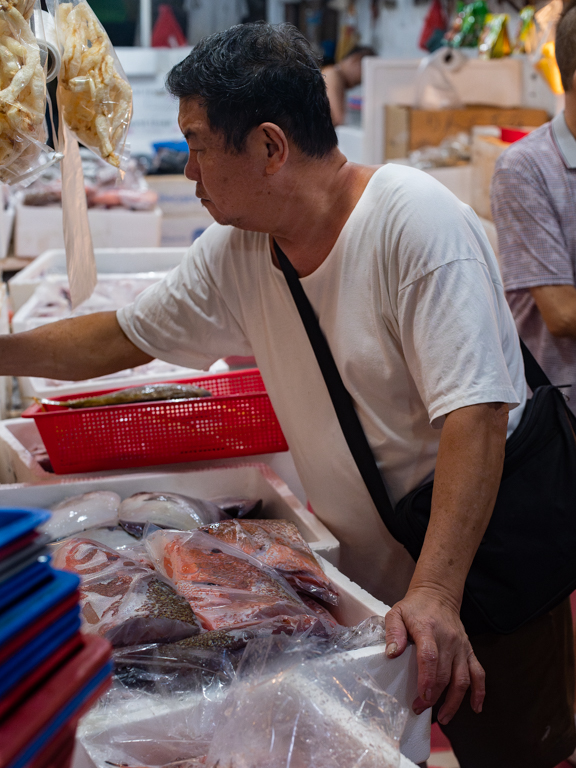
[192,169]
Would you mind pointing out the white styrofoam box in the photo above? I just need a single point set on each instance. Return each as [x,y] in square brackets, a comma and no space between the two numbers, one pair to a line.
[491,234]
[250,479]
[39,228]
[181,231]
[399,677]
[21,448]
[114,261]
[494,82]
[350,138]
[6,225]
[176,195]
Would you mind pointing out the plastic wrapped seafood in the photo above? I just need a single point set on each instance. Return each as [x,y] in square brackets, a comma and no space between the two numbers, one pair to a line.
[94,95]
[167,510]
[278,544]
[78,513]
[22,92]
[225,587]
[122,598]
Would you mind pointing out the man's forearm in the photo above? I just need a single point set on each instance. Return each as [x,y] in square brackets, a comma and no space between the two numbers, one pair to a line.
[74,349]
[466,481]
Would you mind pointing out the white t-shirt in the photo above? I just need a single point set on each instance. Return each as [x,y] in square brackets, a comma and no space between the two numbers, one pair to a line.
[412,305]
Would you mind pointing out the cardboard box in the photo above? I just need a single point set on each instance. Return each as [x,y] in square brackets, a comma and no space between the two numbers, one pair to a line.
[407,129]
[485,151]
[40,228]
[116,262]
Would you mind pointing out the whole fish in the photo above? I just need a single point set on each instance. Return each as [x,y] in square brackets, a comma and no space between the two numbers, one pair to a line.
[122,598]
[238,506]
[224,591]
[79,513]
[278,544]
[142,394]
[166,510]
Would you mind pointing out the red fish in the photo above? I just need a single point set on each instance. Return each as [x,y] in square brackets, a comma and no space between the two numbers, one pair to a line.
[278,544]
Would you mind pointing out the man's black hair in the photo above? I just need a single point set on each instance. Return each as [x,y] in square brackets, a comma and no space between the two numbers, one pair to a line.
[566,44]
[255,73]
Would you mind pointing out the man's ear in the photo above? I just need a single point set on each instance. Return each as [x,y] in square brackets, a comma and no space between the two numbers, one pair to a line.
[275,146]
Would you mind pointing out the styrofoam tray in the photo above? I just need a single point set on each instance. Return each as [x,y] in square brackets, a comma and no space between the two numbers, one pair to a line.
[254,480]
[399,677]
[114,261]
[21,446]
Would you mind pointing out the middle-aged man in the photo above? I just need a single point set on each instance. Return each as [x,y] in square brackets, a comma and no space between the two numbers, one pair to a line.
[534,209]
[408,294]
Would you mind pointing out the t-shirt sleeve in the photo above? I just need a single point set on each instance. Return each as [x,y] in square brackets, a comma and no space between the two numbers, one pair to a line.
[531,244]
[184,319]
[454,329]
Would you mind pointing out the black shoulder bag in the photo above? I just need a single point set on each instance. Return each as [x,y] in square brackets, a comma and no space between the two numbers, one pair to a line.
[526,562]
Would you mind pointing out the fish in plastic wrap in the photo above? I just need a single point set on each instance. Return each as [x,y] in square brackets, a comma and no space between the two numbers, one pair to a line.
[225,587]
[123,598]
[166,510]
[278,544]
[78,513]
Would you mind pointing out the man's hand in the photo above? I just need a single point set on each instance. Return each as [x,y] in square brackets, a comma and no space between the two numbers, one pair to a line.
[466,482]
[444,654]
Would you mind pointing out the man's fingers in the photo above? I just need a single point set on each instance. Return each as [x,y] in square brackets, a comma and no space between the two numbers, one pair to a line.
[477,682]
[459,684]
[427,657]
[396,635]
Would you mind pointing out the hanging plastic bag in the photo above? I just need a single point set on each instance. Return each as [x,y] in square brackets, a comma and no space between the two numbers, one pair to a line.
[467,25]
[526,39]
[23,151]
[434,89]
[544,57]
[94,95]
[434,29]
[494,42]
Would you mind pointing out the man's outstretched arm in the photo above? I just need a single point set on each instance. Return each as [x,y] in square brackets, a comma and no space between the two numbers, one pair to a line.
[73,349]
[466,482]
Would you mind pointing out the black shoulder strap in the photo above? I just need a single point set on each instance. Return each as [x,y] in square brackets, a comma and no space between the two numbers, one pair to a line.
[343,405]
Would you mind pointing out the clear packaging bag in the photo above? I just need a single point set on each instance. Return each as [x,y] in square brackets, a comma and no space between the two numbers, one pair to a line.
[94,96]
[122,597]
[278,544]
[227,588]
[23,151]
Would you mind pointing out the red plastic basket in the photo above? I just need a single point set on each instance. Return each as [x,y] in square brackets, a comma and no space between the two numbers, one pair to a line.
[237,421]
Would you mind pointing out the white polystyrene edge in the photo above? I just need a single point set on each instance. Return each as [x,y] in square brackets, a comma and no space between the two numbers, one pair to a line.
[322,540]
[18,459]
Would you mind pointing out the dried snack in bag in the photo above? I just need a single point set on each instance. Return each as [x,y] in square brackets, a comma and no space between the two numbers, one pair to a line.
[22,92]
[278,544]
[494,42]
[94,95]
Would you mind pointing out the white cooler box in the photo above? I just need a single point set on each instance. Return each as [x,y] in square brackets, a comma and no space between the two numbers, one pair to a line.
[109,261]
[398,676]
[21,448]
[39,228]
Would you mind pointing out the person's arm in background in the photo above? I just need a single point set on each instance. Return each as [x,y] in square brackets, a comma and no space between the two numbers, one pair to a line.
[74,349]
[557,305]
[336,93]
[532,249]
[466,482]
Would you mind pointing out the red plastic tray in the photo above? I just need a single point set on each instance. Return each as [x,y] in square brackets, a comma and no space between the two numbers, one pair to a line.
[237,421]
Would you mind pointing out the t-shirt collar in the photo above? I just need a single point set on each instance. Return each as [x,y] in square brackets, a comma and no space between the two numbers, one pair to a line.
[565,141]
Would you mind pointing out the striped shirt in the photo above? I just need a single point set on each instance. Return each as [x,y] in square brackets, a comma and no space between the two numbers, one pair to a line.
[534,210]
